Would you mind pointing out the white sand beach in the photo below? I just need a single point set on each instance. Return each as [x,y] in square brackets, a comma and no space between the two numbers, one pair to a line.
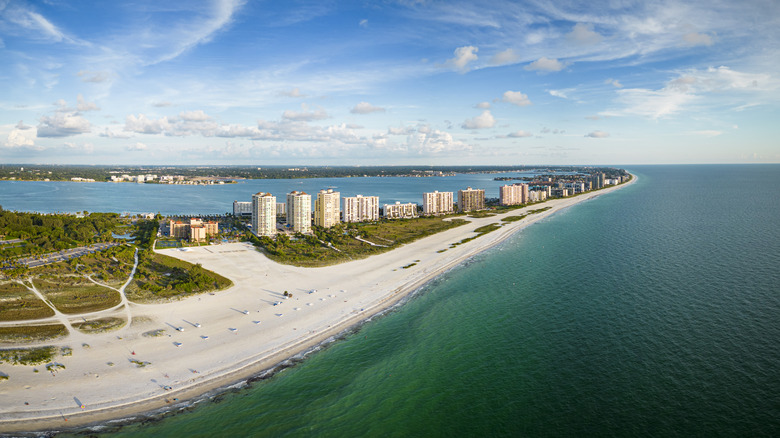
[230,335]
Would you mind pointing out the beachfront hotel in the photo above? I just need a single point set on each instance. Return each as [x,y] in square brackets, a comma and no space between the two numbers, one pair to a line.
[326,208]
[437,202]
[194,231]
[361,208]
[471,199]
[241,208]
[299,212]
[400,211]
[264,214]
[515,194]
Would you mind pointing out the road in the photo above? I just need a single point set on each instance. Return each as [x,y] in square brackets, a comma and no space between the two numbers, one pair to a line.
[66,254]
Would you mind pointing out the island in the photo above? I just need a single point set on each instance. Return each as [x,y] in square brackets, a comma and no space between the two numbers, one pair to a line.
[271,315]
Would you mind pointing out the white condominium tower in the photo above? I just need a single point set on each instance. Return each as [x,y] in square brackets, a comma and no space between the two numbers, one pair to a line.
[514,194]
[361,208]
[437,203]
[400,211]
[326,208]
[299,212]
[264,214]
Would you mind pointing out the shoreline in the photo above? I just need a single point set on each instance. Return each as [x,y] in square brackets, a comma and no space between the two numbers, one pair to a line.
[381,282]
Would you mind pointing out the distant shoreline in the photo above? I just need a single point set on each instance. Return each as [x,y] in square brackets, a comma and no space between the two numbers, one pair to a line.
[237,349]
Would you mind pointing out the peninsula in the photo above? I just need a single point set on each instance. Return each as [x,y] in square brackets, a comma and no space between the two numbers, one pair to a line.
[180,350]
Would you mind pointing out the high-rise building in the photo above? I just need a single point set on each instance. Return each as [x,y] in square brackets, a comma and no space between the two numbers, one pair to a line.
[241,208]
[264,214]
[361,208]
[400,211]
[514,194]
[437,203]
[299,212]
[326,208]
[471,199]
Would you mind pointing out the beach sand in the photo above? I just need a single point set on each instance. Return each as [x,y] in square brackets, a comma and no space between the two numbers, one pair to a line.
[241,332]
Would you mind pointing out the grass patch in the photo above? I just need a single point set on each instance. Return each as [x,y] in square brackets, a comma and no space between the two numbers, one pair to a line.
[481,231]
[27,356]
[31,333]
[154,333]
[162,278]
[72,297]
[99,325]
[480,214]
[18,303]
[316,250]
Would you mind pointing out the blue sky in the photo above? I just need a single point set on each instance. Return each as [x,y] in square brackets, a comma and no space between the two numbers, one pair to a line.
[389,82]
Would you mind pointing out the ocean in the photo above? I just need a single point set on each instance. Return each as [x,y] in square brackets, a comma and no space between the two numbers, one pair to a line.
[650,311]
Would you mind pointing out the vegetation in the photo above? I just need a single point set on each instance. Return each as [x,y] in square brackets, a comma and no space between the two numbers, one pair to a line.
[28,356]
[481,231]
[31,333]
[74,295]
[99,325]
[162,278]
[18,303]
[339,243]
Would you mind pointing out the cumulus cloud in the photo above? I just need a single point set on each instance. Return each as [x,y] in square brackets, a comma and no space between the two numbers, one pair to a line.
[482,121]
[305,114]
[63,124]
[366,108]
[545,64]
[21,136]
[423,140]
[584,35]
[598,134]
[515,98]
[84,106]
[508,56]
[697,39]
[519,134]
[463,57]
[110,134]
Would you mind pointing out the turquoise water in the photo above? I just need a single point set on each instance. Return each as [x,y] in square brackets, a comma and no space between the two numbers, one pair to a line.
[650,311]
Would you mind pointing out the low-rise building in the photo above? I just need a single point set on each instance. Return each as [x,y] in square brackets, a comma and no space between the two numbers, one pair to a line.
[195,231]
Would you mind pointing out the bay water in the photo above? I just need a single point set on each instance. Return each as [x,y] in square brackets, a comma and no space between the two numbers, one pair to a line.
[651,311]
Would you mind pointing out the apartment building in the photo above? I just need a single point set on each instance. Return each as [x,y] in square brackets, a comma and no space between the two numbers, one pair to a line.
[436,202]
[514,194]
[361,208]
[471,199]
[327,208]
[299,212]
[264,214]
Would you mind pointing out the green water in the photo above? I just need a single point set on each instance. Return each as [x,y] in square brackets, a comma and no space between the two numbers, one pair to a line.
[650,311]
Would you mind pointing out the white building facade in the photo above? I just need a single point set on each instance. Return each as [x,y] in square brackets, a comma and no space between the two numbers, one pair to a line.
[361,208]
[299,212]
[264,214]
[437,202]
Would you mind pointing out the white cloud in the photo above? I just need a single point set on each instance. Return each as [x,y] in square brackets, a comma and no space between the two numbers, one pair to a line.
[194,116]
[463,57]
[95,77]
[584,35]
[295,92]
[63,124]
[482,121]
[40,27]
[516,98]
[614,82]
[558,93]
[483,105]
[508,56]
[83,147]
[519,134]
[366,108]
[305,115]
[110,134]
[136,147]
[545,64]
[21,136]
[598,134]
[363,23]
[84,105]
[697,39]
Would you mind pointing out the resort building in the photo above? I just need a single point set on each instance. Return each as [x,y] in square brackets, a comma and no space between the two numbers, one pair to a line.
[242,209]
[264,214]
[515,194]
[361,208]
[195,231]
[400,211]
[327,208]
[471,199]
[437,203]
[299,212]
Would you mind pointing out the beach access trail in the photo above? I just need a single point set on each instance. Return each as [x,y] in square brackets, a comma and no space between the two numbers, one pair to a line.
[177,351]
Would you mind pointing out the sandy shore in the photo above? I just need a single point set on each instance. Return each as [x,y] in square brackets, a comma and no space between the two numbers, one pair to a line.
[230,335]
